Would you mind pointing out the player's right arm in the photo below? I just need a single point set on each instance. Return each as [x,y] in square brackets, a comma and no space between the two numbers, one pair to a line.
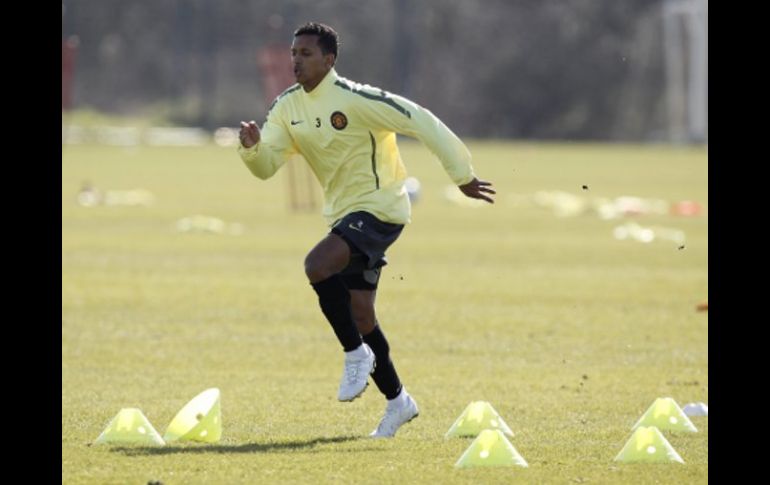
[265,151]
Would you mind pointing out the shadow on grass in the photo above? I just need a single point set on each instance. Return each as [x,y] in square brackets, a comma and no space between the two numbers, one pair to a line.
[244,448]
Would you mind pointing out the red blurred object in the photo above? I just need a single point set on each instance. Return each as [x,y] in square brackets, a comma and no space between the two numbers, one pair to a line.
[686,208]
[702,307]
[274,62]
[69,48]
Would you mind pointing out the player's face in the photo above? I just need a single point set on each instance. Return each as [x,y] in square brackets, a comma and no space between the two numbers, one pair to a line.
[309,63]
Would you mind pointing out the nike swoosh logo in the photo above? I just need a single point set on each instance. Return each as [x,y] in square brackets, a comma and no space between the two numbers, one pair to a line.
[354,227]
[296,122]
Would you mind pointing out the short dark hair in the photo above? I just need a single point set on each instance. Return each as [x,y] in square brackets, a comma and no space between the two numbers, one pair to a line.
[328,39]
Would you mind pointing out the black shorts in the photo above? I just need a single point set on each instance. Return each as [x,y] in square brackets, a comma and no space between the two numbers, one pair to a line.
[368,238]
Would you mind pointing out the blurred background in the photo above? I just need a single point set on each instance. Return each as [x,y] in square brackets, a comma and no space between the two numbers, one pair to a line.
[605,70]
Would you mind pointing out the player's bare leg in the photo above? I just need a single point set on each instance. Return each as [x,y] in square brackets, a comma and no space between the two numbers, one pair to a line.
[322,267]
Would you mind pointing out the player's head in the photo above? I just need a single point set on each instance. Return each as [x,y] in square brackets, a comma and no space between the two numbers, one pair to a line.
[313,53]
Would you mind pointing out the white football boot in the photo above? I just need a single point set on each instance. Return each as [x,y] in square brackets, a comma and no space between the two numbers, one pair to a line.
[398,412]
[359,363]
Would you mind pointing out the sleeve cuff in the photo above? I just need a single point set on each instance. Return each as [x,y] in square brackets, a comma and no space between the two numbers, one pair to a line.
[465,179]
[251,151]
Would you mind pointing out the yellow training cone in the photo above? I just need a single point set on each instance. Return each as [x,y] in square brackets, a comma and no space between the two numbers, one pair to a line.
[648,445]
[491,448]
[199,420]
[130,426]
[665,413]
[478,416]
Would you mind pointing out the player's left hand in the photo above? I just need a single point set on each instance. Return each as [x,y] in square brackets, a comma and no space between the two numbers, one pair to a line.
[476,189]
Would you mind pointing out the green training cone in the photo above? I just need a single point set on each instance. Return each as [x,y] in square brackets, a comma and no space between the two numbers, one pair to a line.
[478,416]
[130,426]
[648,445]
[199,420]
[665,413]
[491,448]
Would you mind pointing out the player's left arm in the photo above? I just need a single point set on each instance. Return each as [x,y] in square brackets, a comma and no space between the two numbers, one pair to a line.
[396,113]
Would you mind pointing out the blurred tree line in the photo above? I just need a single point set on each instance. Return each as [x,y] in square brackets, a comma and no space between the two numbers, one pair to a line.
[535,69]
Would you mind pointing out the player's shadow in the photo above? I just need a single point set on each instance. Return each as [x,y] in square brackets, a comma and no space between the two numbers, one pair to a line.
[268,447]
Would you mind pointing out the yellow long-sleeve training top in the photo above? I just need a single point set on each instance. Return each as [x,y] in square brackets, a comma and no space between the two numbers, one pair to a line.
[347,133]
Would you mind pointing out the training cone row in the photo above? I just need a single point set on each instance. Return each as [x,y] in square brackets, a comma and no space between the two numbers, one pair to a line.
[491,446]
[199,420]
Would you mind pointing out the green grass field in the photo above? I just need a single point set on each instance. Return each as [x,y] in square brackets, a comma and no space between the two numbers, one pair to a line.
[569,333]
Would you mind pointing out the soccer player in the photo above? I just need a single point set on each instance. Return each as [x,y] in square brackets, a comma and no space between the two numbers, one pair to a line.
[347,133]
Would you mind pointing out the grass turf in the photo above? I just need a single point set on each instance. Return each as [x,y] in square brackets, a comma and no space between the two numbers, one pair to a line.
[567,332]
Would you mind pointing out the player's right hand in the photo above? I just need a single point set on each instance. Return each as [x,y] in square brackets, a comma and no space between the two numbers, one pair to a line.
[249,134]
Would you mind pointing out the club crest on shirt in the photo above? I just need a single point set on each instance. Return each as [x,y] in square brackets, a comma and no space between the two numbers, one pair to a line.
[339,120]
